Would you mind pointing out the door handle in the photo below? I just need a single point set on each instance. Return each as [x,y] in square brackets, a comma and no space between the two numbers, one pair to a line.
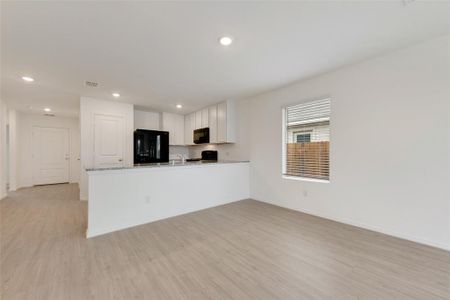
[120,159]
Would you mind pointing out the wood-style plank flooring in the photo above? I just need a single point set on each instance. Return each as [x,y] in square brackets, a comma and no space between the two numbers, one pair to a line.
[243,250]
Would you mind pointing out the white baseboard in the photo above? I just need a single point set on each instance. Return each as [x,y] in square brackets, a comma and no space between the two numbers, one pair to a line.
[403,236]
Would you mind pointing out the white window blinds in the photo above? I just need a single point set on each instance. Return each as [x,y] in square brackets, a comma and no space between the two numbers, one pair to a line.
[307,140]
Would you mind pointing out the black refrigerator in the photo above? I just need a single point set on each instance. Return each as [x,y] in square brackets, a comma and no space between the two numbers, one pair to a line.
[151,146]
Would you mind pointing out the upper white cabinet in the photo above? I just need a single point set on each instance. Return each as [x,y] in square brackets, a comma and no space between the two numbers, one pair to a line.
[226,122]
[198,119]
[205,117]
[221,120]
[189,126]
[146,120]
[212,120]
[174,124]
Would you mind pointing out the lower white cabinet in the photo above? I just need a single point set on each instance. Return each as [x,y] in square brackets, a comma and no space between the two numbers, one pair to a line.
[174,124]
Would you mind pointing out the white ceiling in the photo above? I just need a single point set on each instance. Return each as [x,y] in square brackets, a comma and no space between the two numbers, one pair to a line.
[159,54]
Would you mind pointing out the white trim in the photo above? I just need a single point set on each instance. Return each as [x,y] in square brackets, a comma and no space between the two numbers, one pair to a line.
[283,140]
[305,179]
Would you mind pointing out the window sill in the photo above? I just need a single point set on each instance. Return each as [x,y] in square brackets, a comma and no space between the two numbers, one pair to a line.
[305,179]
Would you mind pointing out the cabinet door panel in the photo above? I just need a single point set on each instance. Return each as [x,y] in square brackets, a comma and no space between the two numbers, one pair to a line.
[179,129]
[174,124]
[205,117]
[222,122]
[198,119]
[212,118]
[187,130]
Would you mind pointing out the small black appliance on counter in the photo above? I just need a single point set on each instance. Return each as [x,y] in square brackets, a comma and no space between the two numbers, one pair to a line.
[151,146]
[207,155]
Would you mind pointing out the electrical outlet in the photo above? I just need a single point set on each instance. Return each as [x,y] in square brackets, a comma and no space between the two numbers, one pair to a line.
[147,199]
[305,193]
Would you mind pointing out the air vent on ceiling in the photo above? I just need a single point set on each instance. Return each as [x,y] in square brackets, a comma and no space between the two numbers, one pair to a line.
[90,84]
[49,115]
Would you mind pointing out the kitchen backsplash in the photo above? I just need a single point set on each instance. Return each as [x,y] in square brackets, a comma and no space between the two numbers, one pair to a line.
[175,151]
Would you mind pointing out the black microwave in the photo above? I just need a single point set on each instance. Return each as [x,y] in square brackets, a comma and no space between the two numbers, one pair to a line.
[201,136]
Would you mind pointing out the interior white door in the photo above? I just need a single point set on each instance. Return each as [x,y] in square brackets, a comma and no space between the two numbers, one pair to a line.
[109,140]
[50,155]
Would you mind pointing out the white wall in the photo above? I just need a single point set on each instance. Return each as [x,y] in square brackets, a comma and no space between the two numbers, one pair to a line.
[89,107]
[3,163]
[25,123]
[390,145]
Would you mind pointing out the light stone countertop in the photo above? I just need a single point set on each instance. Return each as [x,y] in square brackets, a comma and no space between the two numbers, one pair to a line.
[170,165]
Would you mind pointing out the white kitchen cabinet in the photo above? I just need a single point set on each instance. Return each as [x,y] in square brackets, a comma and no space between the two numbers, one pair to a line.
[221,120]
[212,120]
[226,122]
[174,124]
[205,117]
[146,120]
[189,125]
[192,127]
[198,119]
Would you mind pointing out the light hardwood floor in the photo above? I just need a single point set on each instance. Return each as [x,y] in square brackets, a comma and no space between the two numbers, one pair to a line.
[243,250]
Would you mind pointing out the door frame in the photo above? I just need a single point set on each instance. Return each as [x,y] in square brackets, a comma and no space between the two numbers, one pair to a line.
[32,153]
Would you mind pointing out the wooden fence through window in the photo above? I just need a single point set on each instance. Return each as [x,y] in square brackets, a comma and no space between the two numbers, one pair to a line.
[311,160]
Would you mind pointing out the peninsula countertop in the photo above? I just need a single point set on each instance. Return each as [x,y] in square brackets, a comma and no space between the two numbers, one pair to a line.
[168,165]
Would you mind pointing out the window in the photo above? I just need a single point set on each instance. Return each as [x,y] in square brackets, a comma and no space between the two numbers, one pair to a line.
[306,140]
[302,136]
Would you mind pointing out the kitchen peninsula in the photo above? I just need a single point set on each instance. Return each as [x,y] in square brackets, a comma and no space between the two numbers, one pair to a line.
[124,197]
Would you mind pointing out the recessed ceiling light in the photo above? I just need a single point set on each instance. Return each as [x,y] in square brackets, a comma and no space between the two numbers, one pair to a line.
[179,106]
[27,79]
[225,41]
[117,95]
[47,109]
